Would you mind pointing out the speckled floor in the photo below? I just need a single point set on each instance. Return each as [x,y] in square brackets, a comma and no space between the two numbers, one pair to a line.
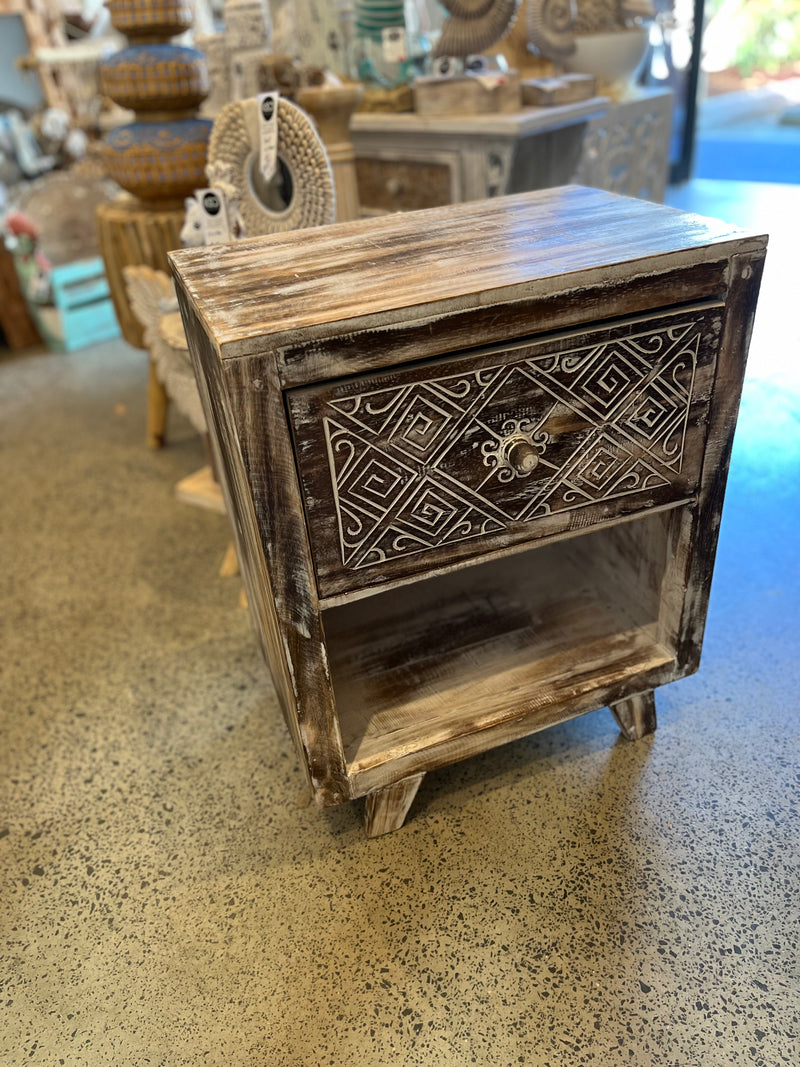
[167,898]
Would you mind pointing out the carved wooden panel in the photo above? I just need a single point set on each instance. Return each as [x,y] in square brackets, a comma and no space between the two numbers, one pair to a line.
[407,470]
[403,185]
[626,150]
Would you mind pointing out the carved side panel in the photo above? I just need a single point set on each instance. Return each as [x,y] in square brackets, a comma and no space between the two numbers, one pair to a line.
[626,150]
[494,448]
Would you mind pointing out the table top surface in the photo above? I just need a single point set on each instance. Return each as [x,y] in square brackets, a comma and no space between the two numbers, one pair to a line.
[527,120]
[416,263]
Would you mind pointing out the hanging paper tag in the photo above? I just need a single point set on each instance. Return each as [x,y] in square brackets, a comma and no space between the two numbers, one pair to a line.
[393,44]
[214,208]
[268,133]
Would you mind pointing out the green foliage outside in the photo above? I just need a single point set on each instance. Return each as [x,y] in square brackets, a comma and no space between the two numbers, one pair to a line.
[762,34]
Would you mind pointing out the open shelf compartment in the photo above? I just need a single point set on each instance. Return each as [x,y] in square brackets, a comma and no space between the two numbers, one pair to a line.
[527,636]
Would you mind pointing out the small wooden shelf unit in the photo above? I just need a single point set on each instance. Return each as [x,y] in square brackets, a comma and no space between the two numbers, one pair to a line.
[475,460]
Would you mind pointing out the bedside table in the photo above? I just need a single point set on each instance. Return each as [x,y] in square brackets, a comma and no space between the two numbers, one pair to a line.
[475,459]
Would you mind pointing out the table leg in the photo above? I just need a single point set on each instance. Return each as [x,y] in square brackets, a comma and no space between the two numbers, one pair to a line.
[157,404]
[636,716]
[387,808]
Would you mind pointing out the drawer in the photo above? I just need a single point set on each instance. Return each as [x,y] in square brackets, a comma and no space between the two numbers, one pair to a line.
[431,464]
[403,185]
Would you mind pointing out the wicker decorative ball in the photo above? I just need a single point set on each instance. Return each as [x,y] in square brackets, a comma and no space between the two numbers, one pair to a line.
[159,160]
[139,19]
[156,77]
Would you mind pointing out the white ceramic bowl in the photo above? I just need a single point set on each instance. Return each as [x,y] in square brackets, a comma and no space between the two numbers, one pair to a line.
[610,57]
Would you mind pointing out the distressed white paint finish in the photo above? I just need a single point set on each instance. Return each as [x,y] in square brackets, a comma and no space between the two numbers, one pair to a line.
[421,265]
[386,676]
[419,461]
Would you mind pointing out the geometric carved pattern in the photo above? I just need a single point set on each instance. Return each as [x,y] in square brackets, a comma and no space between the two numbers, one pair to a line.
[415,466]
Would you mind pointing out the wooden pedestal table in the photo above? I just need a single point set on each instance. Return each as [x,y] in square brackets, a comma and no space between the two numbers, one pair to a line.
[134,234]
[476,473]
[332,108]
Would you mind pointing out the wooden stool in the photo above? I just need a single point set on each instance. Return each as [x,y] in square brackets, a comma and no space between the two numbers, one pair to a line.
[134,234]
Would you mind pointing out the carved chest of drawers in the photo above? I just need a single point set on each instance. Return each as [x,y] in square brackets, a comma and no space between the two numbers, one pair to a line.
[475,460]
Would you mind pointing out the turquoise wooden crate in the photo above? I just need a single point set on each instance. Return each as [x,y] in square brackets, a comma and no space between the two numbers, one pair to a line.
[82,299]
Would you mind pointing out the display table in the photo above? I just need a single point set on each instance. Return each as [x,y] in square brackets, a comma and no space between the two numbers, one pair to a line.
[406,161]
[410,161]
[475,458]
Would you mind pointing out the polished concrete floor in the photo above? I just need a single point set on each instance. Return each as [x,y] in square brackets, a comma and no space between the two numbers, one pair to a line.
[167,895]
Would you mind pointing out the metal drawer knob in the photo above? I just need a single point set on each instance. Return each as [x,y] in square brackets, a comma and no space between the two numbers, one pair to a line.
[521,455]
[516,454]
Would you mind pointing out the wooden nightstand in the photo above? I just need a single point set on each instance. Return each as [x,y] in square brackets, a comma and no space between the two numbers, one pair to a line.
[475,459]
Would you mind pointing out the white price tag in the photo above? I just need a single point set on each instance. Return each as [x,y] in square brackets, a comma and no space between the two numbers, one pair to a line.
[393,44]
[214,208]
[268,133]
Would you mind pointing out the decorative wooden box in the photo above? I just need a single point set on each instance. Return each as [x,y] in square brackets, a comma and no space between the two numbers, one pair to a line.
[475,459]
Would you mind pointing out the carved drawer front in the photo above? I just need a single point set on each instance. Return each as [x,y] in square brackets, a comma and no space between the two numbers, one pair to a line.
[415,469]
[403,185]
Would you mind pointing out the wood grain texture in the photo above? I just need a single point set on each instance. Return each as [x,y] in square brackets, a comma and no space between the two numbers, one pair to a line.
[264,443]
[597,296]
[470,651]
[479,557]
[401,268]
[132,235]
[700,544]
[447,98]
[404,470]
[636,716]
[283,619]
[386,809]
[632,673]
[402,185]
[386,678]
